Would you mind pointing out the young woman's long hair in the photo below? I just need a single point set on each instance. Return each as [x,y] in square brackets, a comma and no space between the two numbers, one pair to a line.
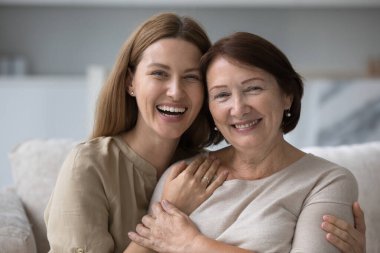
[117,111]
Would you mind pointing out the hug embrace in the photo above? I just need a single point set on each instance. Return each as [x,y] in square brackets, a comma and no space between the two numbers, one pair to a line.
[170,95]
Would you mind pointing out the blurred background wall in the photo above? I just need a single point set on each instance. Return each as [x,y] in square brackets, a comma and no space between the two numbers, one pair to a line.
[48,52]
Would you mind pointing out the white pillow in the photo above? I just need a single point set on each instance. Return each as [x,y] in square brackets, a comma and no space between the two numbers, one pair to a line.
[35,166]
[16,234]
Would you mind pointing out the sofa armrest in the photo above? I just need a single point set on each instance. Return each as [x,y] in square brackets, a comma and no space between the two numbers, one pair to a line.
[15,230]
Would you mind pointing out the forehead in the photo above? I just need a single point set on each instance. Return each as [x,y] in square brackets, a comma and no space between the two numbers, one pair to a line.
[168,49]
[225,68]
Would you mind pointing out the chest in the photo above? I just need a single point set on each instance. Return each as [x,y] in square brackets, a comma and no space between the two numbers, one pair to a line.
[245,213]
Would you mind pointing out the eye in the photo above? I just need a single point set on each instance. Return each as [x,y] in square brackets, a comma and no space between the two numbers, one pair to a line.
[159,74]
[253,89]
[192,78]
[220,96]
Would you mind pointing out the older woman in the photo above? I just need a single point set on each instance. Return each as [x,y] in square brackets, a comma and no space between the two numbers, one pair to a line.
[275,195]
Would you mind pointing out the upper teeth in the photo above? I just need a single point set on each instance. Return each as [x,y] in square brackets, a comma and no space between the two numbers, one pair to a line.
[246,125]
[171,109]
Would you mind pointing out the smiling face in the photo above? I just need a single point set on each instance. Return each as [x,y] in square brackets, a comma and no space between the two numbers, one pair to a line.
[246,103]
[167,87]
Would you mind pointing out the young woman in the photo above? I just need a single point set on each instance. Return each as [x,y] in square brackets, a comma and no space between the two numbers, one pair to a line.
[151,112]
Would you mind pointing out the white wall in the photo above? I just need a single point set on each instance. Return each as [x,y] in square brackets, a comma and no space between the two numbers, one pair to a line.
[64,40]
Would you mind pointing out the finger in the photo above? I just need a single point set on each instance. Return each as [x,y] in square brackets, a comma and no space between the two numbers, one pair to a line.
[210,173]
[201,171]
[176,169]
[338,243]
[218,181]
[140,240]
[147,221]
[142,230]
[332,229]
[157,209]
[359,218]
[170,208]
[194,165]
[341,225]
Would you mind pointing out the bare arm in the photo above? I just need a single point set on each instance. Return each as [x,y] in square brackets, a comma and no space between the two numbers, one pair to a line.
[344,236]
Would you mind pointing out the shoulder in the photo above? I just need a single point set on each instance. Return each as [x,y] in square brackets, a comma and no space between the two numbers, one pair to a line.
[330,179]
[92,156]
[326,168]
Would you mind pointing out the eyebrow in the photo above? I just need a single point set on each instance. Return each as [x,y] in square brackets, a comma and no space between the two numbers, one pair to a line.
[160,65]
[244,82]
[252,79]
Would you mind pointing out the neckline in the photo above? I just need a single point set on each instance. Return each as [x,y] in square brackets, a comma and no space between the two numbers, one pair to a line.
[276,174]
[135,158]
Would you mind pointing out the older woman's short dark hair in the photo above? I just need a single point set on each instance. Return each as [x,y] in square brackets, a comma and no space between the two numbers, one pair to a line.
[253,50]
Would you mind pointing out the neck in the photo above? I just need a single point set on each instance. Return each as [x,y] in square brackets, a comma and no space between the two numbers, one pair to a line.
[261,162]
[157,151]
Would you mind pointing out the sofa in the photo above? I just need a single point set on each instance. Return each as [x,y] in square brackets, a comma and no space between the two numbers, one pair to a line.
[35,165]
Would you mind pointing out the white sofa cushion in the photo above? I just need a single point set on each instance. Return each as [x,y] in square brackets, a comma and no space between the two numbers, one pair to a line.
[363,160]
[35,165]
[16,234]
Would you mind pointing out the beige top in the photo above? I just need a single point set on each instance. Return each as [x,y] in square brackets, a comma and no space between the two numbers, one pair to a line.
[102,192]
[279,213]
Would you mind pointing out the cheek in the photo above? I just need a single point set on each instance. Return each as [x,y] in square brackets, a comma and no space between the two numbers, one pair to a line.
[216,111]
[197,96]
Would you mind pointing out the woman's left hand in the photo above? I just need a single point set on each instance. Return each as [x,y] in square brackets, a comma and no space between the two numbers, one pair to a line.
[344,236]
[167,229]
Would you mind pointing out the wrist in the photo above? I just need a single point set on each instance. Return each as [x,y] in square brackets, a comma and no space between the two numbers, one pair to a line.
[197,244]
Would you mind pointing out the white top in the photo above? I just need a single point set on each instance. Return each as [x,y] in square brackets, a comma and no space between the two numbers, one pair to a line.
[280,213]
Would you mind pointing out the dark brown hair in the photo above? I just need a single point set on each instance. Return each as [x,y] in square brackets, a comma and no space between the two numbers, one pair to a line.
[253,50]
[117,110]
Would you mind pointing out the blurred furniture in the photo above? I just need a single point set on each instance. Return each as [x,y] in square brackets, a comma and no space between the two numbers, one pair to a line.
[35,165]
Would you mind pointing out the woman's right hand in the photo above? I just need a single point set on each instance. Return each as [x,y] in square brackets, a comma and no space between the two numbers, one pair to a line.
[188,186]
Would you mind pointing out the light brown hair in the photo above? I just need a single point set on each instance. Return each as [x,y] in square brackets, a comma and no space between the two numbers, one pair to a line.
[117,111]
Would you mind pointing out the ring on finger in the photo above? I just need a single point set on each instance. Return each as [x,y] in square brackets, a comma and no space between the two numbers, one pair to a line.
[207,179]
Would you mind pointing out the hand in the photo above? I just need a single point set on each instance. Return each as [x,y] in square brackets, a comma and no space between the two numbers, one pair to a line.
[343,235]
[167,229]
[188,186]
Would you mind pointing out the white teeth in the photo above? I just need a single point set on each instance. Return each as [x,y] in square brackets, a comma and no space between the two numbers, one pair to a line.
[171,109]
[242,126]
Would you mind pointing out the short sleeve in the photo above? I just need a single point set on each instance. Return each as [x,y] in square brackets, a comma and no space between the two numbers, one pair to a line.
[77,213]
[334,195]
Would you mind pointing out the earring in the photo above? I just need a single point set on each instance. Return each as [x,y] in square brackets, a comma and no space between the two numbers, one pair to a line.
[216,129]
[132,93]
[287,113]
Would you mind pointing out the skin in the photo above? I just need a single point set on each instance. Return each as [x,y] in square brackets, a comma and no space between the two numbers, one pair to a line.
[247,106]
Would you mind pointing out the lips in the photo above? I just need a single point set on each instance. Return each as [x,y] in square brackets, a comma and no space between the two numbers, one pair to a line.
[171,110]
[246,124]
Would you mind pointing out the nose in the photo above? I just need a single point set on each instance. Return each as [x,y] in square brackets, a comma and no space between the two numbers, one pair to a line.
[175,90]
[239,106]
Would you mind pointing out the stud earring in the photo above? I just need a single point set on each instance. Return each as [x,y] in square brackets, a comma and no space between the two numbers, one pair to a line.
[216,129]
[132,93]
[287,113]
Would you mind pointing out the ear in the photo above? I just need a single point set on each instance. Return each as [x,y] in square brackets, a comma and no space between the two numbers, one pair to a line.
[288,101]
[129,82]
